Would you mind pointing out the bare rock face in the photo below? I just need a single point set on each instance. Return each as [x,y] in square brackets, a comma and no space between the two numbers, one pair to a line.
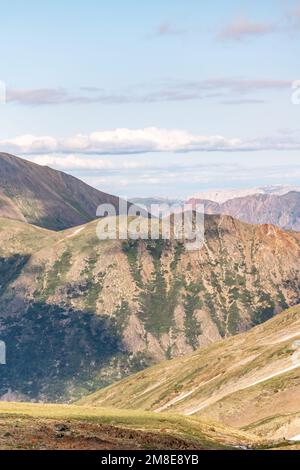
[77,313]
[280,210]
[46,197]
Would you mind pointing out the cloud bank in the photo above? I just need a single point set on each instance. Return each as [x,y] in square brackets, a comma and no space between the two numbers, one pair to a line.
[141,141]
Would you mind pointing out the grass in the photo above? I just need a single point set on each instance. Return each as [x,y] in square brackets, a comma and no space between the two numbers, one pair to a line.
[56,275]
[206,435]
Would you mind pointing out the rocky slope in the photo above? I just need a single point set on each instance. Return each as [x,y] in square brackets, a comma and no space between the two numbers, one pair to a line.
[78,313]
[280,210]
[46,197]
[250,382]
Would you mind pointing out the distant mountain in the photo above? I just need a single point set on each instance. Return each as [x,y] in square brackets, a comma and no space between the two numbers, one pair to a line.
[223,195]
[277,205]
[45,197]
[250,382]
[78,313]
[154,205]
[283,211]
[147,201]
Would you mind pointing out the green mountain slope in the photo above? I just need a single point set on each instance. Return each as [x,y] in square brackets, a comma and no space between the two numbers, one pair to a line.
[78,313]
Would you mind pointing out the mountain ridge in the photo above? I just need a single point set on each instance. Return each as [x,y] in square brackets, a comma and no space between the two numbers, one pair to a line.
[46,197]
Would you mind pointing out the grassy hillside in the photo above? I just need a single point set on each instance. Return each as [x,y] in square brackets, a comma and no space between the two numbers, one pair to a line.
[251,381]
[36,426]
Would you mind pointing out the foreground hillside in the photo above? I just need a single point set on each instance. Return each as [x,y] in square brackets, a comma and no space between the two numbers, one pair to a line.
[77,313]
[46,197]
[250,382]
[28,426]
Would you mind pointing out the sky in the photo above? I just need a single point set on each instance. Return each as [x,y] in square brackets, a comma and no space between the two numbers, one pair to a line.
[161,98]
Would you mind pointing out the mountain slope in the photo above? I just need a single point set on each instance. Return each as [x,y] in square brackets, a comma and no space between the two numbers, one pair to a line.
[78,313]
[46,197]
[280,210]
[251,381]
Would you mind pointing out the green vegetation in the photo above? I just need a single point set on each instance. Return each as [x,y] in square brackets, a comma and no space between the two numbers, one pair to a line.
[158,301]
[130,248]
[179,250]
[93,283]
[210,303]
[57,274]
[233,319]
[122,314]
[10,269]
[191,304]
[265,309]
[50,346]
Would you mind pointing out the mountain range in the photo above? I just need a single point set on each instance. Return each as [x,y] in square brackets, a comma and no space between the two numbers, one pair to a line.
[283,211]
[271,205]
[55,200]
[223,195]
[78,314]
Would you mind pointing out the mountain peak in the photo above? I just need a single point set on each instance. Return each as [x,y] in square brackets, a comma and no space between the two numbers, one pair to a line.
[45,197]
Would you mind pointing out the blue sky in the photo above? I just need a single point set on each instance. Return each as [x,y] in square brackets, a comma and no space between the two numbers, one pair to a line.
[154,98]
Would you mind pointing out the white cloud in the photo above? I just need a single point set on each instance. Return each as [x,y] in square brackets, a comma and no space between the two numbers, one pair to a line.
[77,162]
[121,141]
[30,144]
[139,141]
